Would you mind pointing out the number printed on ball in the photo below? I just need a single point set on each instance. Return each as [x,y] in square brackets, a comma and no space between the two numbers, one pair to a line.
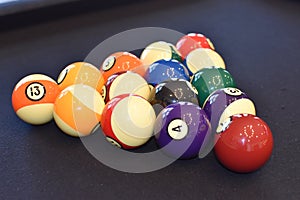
[35,91]
[177,129]
[233,91]
[109,63]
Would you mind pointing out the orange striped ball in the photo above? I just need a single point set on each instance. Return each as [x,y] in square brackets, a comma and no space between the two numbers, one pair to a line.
[33,98]
[78,109]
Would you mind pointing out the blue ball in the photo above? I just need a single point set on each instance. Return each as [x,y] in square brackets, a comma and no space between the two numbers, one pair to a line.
[164,70]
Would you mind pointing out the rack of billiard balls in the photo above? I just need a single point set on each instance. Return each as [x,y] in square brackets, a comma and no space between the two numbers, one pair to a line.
[200,106]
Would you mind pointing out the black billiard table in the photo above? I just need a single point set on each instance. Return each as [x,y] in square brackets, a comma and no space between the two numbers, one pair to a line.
[259,41]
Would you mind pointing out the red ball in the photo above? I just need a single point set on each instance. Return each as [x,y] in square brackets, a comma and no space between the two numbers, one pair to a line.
[128,121]
[192,41]
[245,144]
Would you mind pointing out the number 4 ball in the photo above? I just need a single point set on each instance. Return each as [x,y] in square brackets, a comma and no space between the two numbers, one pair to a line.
[33,98]
[180,130]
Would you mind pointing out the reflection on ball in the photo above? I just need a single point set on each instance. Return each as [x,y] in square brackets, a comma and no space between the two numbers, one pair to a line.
[207,80]
[181,129]
[125,83]
[128,121]
[201,58]
[173,91]
[120,62]
[80,73]
[163,70]
[245,143]
[159,50]
[78,109]
[192,41]
[33,98]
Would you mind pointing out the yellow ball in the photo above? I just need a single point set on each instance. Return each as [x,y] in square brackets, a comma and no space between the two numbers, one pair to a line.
[159,50]
[81,73]
[78,110]
[202,58]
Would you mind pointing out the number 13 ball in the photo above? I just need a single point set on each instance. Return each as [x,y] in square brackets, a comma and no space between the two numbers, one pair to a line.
[33,98]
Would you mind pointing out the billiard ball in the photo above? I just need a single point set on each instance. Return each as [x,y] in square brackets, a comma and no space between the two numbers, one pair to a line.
[128,121]
[163,70]
[125,83]
[245,143]
[209,79]
[226,102]
[180,130]
[193,41]
[201,58]
[222,104]
[173,91]
[33,98]
[120,61]
[80,73]
[159,50]
[78,109]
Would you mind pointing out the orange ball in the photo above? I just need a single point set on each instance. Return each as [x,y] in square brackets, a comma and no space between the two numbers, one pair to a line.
[78,109]
[33,98]
[80,73]
[119,62]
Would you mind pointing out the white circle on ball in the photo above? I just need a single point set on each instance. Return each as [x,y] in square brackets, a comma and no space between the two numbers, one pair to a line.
[35,91]
[113,142]
[178,129]
[223,126]
[108,63]
[233,91]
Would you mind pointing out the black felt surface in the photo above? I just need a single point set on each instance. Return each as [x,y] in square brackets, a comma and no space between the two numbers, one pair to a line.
[259,41]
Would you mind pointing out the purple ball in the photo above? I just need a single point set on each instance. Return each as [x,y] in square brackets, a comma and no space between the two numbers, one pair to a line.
[219,100]
[180,130]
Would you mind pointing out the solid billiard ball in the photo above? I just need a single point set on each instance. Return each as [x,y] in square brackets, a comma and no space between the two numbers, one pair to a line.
[173,91]
[128,121]
[209,79]
[119,62]
[180,130]
[192,41]
[33,98]
[159,50]
[80,73]
[125,83]
[201,58]
[245,143]
[78,109]
[226,102]
[163,70]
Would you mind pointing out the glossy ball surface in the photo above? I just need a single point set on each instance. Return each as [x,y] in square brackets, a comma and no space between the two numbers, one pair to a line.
[125,83]
[159,50]
[163,70]
[202,58]
[80,73]
[192,41]
[128,121]
[207,80]
[173,91]
[78,109]
[180,130]
[226,102]
[245,144]
[119,62]
[33,98]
